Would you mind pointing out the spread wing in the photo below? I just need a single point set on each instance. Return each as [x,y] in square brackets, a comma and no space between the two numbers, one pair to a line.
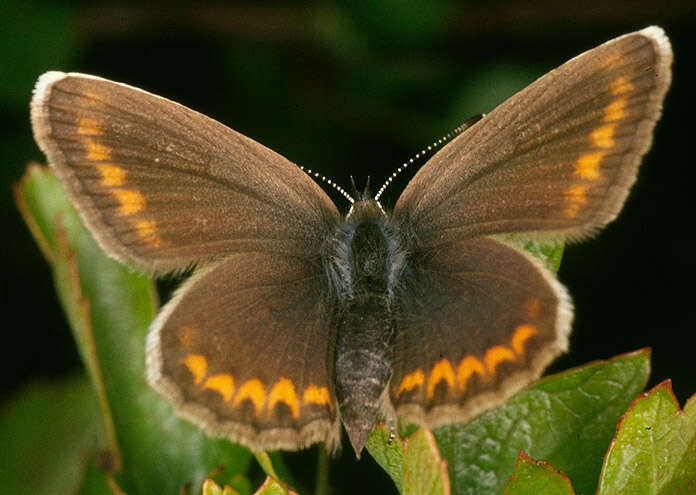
[559,157]
[162,186]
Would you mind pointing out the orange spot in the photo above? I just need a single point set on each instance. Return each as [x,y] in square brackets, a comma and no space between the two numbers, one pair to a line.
[87,126]
[132,201]
[254,391]
[97,151]
[616,110]
[317,395]
[603,136]
[467,367]
[284,391]
[185,334]
[577,193]
[147,230]
[441,371]
[496,355]
[112,175]
[621,85]
[197,365]
[93,95]
[587,165]
[571,211]
[612,59]
[222,384]
[522,333]
[532,307]
[411,381]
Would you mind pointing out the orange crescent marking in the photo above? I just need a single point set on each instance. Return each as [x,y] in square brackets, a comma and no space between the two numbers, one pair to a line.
[147,231]
[587,165]
[621,85]
[467,367]
[532,307]
[254,391]
[603,136]
[132,201]
[616,110]
[317,395]
[97,151]
[222,383]
[522,334]
[197,365]
[496,355]
[441,371]
[571,211]
[284,391]
[411,381]
[612,59]
[577,193]
[112,175]
[87,126]
[96,96]
[185,334]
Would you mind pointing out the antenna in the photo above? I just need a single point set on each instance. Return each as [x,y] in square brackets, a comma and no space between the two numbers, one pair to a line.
[447,137]
[333,184]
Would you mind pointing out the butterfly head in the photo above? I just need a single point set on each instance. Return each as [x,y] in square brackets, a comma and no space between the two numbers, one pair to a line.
[365,206]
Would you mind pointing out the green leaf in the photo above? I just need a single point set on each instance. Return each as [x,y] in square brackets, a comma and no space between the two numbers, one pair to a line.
[654,451]
[111,307]
[538,478]
[273,465]
[46,433]
[264,460]
[36,202]
[550,253]
[554,419]
[424,472]
[388,452]
[212,488]
[274,487]
[96,480]
[414,464]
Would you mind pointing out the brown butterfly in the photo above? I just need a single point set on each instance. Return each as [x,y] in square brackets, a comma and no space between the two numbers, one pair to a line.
[299,319]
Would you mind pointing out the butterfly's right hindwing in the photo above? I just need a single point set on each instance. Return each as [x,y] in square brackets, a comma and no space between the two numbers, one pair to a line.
[244,349]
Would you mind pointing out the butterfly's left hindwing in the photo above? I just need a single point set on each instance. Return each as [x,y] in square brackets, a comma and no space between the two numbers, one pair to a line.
[478,320]
[243,349]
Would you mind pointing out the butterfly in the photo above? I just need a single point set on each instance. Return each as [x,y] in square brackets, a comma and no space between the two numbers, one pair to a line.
[297,319]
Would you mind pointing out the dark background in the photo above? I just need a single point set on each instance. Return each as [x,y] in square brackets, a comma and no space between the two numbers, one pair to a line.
[356,88]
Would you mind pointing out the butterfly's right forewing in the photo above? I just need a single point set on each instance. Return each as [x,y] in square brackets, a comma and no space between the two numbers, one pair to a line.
[559,157]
